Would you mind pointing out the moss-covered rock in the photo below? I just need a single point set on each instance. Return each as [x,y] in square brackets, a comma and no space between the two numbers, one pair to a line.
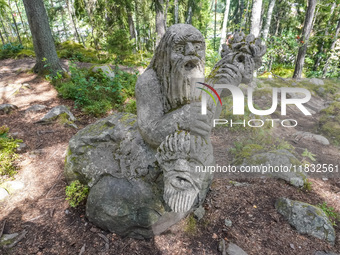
[277,164]
[306,218]
[111,157]
[330,122]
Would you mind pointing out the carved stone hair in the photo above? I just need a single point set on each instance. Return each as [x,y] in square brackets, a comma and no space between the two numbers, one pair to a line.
[182,145]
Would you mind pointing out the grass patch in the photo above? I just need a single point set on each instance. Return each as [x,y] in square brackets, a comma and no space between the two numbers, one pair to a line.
[8,154]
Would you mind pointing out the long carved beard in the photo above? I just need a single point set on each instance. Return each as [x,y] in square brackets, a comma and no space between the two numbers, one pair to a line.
[179,200]
[179,89]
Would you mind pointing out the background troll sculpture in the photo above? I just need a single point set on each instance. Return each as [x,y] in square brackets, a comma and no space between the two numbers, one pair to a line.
[141,169]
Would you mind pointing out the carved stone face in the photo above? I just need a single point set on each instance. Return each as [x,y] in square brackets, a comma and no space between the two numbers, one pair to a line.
[180,157]
[182,184]
[239,60]
[179,59]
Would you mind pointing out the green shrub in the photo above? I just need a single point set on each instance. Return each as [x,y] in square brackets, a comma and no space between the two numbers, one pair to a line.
[8,156]
[77,52]
[10,50]
[330,212]
[94,92]
[131,106]
[76,193]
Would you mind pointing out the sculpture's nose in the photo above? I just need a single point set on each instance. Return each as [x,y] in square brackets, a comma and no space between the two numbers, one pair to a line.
[189,49]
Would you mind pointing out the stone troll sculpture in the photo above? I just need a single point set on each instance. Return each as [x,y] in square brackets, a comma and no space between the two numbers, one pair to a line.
[141,169]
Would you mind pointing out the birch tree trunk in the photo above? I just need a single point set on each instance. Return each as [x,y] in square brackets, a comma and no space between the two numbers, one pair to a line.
[307,28]
[44,48]
[268,19]
[176,11]
[256,18]
[160,28]
[224,26]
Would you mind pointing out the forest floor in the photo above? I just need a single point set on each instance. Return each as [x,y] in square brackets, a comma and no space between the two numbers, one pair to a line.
[53,227]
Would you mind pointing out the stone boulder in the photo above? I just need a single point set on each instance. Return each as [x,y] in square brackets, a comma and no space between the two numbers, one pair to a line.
[125,182]
[111,146]
[107,70]
[57,112]
[317,82]
[307,136]
[277,160]
[36,108]
[7,108]
[306,218]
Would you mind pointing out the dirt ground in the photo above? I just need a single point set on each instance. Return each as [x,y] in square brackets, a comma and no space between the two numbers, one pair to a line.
[55,228]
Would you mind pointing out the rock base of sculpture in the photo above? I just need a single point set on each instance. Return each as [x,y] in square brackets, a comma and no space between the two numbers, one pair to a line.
[126,181]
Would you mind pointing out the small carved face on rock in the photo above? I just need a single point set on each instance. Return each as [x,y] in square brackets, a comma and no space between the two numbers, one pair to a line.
[178,60]
[239,60]
[179,157]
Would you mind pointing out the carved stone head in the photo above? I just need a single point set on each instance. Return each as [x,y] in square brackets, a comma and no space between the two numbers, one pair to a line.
[179,58]
[180,157]
[240,58]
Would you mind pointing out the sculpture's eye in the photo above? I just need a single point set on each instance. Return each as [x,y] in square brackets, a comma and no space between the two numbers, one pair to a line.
[179,48]
[240,59]
[198,46]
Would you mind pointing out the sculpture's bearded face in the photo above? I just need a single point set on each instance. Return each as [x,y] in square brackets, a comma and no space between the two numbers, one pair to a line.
[187,65]
[179,157]
[239,60]
[178,63]
[182,184]
[235,68]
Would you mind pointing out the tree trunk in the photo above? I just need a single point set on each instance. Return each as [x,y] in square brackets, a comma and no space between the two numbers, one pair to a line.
[325,69]
[246,17]
[321,49]
[189,18]
[63,21]
[256,18]
[14,21]
[75,32]
[2,39]
[166,14]
[241,4]
[5,32]
[88,10]
[176,11]
[138,39]
[224,26]
[160,28]
[268,19]
[74,22]
[21,19]
[307,28]
[131,25]
[215,25]
[44,48]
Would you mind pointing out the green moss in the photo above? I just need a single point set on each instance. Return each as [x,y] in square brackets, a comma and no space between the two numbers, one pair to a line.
[128,119]
[191,225]
[64,119]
